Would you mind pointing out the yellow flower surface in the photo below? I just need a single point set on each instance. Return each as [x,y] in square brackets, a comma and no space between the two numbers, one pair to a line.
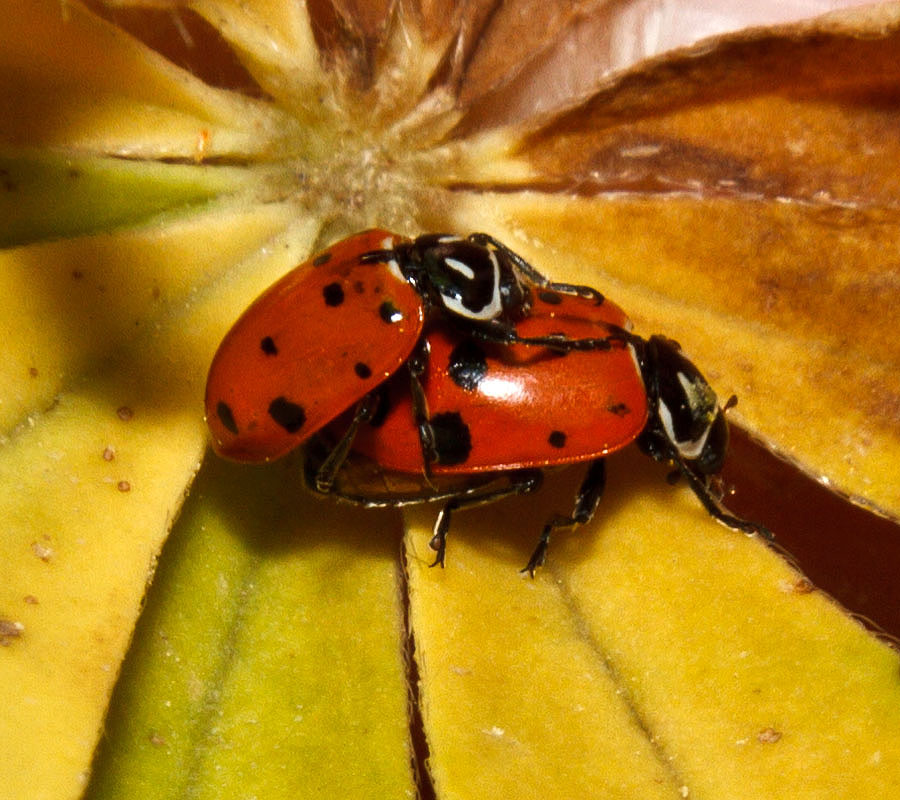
[174,626]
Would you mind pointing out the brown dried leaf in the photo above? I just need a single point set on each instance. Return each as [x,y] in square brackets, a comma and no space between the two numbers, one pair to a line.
[742,197]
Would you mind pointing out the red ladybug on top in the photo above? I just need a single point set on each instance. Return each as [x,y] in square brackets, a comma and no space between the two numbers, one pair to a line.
[447,368]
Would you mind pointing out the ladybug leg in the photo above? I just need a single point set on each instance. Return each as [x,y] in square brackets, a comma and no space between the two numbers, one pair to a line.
[586,501]
[563,343]
[706,496]
[325,474]
[520,482]
[532,274]
[506,335]
[416,367]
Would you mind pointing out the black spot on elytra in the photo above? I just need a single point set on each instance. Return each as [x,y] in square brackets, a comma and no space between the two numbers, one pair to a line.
[451,438]
[226,417]
[333,294]
[322,259]
[468,365]
[288,415]
[363,371]
[550,297]
[267,345]
[557,439]
[619,409]
[389,312]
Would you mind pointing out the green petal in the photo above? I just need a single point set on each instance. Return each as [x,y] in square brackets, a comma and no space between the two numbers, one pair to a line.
[49,194]
[268,661]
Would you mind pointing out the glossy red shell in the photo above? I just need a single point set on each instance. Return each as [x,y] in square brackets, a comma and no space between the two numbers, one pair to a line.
[532,407]
[309,348]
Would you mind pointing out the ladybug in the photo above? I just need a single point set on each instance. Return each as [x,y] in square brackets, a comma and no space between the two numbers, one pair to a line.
[319,340]
[477,420]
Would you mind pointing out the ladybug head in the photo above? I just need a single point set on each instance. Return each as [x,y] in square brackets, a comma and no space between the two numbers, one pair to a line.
[686,422]
[468,278]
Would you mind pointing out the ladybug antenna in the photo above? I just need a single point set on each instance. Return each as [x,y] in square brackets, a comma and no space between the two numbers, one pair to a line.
[730,403]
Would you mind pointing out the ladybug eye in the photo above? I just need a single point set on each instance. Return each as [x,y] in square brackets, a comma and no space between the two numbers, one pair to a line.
[460,267]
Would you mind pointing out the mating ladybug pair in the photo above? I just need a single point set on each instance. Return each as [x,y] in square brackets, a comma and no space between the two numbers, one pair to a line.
[447,368]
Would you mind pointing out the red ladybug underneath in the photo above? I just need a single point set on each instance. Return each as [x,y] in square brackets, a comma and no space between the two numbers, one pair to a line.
[489,418]
[459,408]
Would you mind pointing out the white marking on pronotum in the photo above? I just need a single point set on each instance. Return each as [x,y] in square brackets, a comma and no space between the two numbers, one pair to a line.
[460,266]
[393,265]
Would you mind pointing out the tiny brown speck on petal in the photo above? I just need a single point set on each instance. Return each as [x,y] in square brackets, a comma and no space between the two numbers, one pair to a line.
[768,736]
[109,453]
[9,631]
[124,413]
[30,599]
[42,551]
[123,486]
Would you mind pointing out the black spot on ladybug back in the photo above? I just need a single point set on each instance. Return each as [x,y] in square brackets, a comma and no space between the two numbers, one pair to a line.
[322,259]
[226,417]
[467,365]
[333,294]
[389,312]
[451,438]
[267,345]
[287,414]
[550,297]
[362,370]
[557,439]
[619,409]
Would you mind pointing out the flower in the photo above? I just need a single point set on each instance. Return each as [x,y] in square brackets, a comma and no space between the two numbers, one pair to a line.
[737,194]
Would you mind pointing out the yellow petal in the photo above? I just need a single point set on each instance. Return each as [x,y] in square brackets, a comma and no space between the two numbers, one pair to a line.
[81,83]
[276,41]
[93,299]
[90,484]
[87,496]
[658,654]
